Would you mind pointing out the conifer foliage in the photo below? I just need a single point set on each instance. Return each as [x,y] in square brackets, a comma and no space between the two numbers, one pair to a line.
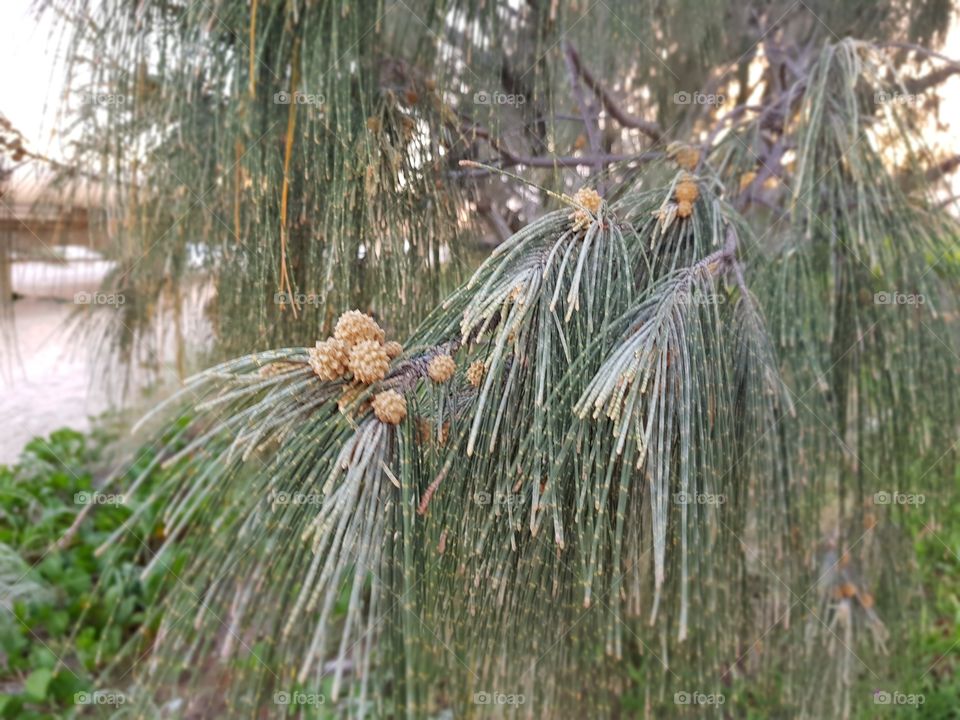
[637,450]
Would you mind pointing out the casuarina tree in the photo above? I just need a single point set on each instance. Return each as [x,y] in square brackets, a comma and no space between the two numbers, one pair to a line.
[573,358]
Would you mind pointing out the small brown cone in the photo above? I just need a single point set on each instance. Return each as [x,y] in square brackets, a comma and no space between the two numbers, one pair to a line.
[390,407]
[684,209]
[441,368]
[687,157]
[590,201]
[475,373]
[355,327]
[393,348]
[329,359]
[368,361]
[686,191]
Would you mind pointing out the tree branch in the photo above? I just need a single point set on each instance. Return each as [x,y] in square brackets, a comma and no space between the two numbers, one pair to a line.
[586,110]
[932,78]
[510,159]
[922,50]
[647,127]
[944,167]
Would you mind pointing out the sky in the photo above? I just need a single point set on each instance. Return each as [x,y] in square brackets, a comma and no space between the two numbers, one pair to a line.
[32,78]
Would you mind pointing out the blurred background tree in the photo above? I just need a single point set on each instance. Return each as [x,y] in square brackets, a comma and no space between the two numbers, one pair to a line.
[306,155]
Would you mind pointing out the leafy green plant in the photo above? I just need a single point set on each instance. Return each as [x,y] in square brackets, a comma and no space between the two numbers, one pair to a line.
[66,611]
[934,633]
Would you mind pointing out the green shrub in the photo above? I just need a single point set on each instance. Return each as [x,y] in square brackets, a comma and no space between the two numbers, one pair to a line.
[66,610]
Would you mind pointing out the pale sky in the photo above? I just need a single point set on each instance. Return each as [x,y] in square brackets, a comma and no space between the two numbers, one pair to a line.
[32,79]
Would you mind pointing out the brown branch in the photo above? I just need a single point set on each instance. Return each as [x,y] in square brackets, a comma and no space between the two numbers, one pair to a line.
[407,372]
[934,77]
[586,110]
[573,161]
[647,127]
[567,161]
[921,49]
[944,167]
[510,159]
[915,86]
